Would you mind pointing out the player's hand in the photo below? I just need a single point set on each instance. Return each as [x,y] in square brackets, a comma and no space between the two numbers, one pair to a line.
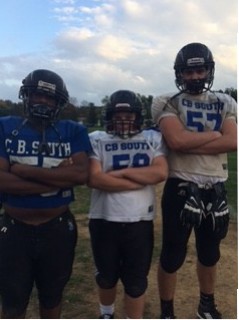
[116,173]
[219,211]
[193,211]
[66,162]
[20,169]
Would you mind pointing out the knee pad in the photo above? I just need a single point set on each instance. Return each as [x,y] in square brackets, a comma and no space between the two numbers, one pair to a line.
[13,307]
[105,283]
[209,255]
[50,302]
[135,291]
[172,258]
[13,312]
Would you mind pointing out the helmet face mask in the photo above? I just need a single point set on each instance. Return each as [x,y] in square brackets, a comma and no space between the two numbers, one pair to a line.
[123,114]
[47,84]
[41,111]
[190,57]
[124,125]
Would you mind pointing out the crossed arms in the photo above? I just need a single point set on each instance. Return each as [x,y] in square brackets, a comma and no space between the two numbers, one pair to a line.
[127,179]
[23,179]
[180,139]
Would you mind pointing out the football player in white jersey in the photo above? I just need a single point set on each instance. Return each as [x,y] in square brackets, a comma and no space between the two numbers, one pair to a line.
[126,164]
[199,126]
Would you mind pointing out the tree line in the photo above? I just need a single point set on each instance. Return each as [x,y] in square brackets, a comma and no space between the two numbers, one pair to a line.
[88,113]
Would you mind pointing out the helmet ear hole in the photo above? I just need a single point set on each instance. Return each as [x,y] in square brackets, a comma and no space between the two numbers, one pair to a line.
[194,55]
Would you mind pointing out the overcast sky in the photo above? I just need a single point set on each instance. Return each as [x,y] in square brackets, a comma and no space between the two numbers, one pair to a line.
[102,46]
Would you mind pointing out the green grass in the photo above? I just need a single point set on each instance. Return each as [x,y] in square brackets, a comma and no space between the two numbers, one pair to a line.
[82,200]
[231,184]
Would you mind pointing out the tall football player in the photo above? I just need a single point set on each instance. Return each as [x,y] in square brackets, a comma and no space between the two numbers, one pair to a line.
[199,126]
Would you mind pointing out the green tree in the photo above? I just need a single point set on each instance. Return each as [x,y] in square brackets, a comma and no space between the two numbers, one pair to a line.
[232,92]
[92,117]
[147,101]
[105,100]
[69,112]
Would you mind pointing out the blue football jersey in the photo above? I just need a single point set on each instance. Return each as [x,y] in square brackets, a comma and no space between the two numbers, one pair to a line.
[20,143]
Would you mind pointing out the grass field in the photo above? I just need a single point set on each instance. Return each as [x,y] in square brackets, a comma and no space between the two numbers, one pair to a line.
[231,184]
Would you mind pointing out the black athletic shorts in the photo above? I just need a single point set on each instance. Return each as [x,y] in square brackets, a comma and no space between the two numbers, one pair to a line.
[175,236]
[35,254]
[122,251]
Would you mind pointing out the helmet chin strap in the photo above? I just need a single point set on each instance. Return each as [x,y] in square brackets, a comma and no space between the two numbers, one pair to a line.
[44,147]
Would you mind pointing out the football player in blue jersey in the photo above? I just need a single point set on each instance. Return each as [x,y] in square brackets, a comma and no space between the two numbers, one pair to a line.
[199,126]
[41,160]
[126,164]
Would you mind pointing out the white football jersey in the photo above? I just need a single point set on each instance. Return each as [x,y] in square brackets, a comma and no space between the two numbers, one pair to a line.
[204,112]
[115,153]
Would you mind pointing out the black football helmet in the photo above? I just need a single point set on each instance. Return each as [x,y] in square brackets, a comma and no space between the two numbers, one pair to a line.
[48,83]
[194,55]
[123,101]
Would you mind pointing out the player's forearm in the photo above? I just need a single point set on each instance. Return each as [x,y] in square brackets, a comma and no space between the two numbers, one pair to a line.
[221,145]
[226,143]
[187,140]
[181,139]
[13,184]
[106,182]
[58,177]
[146,175]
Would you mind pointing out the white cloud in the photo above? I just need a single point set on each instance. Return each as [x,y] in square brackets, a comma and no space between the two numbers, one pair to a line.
[65,2]
[133,8]
[114,48]
[101,46]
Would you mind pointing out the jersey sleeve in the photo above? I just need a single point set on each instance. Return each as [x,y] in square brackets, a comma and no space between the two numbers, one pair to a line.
[94,139]
[231,108]
[162,107]
[156,141]
[3,152]
[160,145]
[81,141]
